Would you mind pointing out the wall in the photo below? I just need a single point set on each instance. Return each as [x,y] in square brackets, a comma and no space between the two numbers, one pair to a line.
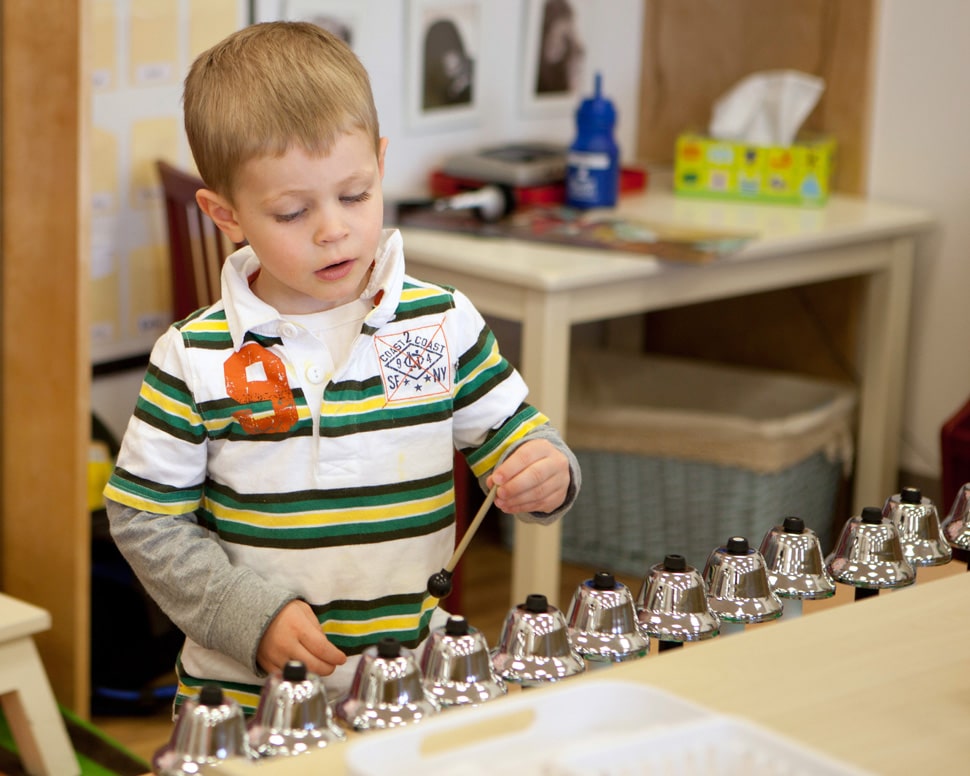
[611,34]
[142,49]
[920,156]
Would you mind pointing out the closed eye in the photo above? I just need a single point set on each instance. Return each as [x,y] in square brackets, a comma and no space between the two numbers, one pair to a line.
[285,218]
[362,197]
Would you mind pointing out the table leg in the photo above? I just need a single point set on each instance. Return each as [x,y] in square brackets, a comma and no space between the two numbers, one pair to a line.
[885,329]
[31,711]
[537,553]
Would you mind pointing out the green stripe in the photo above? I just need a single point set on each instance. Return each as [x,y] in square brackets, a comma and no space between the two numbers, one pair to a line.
[484,383]
[407,311]
[169,385]
[479,350]
[190,681]
[191,317]
[235,433]
[333,426]
[314,537]
[360,611]
[261,339]
[207,340]
[498,439]
[175,391]
[364,497]
[221,409]
[170,424]
[125,481]
[354,390]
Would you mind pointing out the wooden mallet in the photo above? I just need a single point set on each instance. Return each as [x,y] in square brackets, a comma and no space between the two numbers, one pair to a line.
[439,585]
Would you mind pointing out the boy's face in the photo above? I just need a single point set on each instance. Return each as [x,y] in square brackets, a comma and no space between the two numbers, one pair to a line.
[314,222]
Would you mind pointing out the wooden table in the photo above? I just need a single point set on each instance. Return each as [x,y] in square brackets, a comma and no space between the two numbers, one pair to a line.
[548,288]
[881,684]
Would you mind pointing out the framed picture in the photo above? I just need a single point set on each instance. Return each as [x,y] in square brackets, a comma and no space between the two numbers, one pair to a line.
[442,88]
[338,16]
[554,57]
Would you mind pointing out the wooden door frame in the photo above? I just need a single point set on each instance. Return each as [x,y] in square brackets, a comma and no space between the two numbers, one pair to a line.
[45,353]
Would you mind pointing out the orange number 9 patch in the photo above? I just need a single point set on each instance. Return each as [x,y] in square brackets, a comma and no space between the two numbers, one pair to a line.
[254,374]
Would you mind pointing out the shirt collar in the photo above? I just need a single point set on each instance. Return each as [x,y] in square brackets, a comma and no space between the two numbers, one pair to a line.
[245,312]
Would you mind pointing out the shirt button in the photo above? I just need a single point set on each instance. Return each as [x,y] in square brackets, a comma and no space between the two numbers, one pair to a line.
[314,374]
[288,330]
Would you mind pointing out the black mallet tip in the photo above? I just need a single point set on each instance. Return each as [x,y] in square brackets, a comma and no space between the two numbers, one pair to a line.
[439,585]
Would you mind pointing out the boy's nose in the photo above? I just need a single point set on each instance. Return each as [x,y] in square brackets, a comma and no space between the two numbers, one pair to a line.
[330,227]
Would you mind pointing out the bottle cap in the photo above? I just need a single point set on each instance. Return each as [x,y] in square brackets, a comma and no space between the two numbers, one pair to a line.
[597,110]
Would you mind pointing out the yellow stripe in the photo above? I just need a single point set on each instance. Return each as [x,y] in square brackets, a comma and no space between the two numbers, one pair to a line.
[489,462]
[378,624]
[356,407]
[357,628]
[491,361]
[413,294]
[206,325]
[146,505]
[384,512]
[246,699]
[171,406]
[216,425]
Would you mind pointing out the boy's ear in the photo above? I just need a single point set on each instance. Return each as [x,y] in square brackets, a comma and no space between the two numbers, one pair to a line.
[380,156]
[221,212]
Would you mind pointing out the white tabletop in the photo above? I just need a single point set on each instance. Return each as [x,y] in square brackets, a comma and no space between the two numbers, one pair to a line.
[778,230]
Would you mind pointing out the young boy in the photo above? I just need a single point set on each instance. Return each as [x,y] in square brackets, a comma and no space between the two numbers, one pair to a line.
[284,488]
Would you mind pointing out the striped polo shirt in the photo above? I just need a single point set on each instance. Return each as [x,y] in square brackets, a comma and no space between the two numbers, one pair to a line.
[352,511]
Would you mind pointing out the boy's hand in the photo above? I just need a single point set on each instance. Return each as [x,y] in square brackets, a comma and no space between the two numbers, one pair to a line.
[535,478]
[295,634]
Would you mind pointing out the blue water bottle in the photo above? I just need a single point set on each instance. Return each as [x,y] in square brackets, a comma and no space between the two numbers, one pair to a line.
[593,162]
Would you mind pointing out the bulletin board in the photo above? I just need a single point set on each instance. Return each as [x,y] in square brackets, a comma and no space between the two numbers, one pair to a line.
[140,52]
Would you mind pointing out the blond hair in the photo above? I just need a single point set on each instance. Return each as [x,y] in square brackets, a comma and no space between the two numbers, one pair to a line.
[268,86]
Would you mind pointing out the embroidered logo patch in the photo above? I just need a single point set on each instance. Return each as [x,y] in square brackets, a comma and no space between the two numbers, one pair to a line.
[414,363]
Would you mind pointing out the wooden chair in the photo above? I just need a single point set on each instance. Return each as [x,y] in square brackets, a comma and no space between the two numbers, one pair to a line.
[197,250]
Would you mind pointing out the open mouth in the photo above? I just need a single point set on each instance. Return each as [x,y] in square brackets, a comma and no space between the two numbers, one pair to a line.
[335,271]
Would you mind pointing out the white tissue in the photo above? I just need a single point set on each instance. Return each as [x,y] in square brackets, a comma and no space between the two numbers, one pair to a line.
[766,108]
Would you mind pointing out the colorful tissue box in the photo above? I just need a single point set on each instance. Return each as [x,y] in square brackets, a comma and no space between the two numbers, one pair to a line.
[798,174]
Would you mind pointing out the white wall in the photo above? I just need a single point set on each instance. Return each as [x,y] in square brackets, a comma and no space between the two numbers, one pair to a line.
[920,155]
[611,34]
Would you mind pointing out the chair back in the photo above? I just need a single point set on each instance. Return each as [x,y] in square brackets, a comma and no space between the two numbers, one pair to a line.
[197,248]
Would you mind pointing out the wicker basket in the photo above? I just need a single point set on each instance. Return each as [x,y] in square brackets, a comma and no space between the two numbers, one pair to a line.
[679,455]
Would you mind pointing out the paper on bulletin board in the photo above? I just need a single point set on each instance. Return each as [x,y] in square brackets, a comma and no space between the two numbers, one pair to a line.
[209,22]
[104,172]
[151,139]
[153,34]
[149,298]
[104,63]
